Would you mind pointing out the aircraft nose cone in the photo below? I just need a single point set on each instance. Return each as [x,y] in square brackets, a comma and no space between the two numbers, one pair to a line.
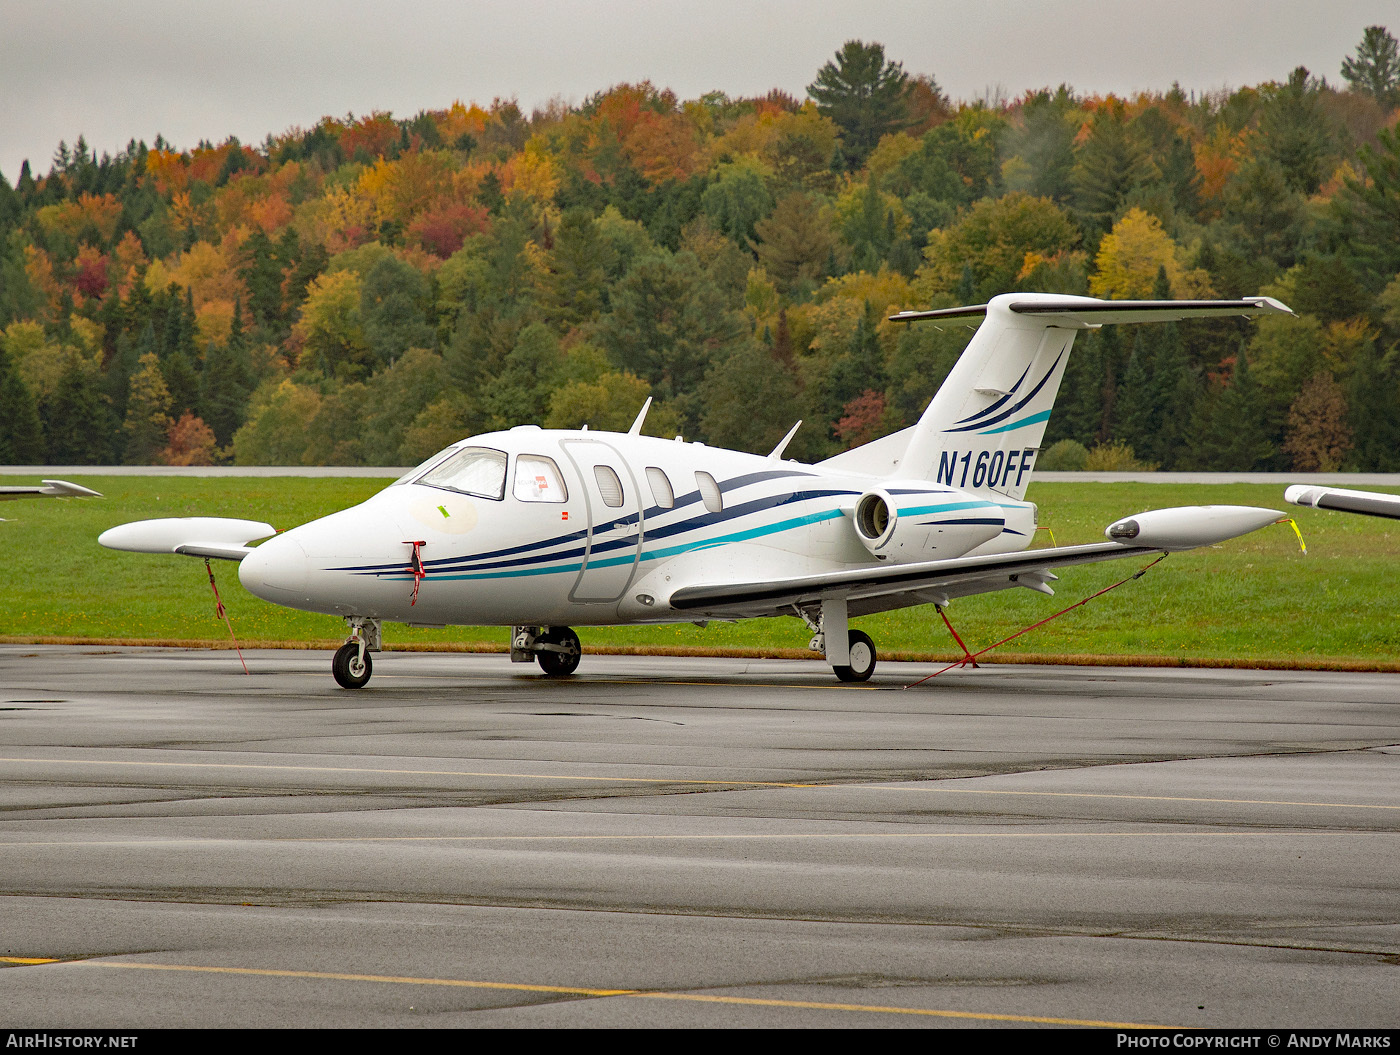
[276,571]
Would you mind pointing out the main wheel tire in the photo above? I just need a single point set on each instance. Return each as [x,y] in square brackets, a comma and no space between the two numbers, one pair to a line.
[350,672]
[562,663]
[862,658]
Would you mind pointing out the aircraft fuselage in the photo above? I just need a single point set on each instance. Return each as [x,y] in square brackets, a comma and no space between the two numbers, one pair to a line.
[560,527]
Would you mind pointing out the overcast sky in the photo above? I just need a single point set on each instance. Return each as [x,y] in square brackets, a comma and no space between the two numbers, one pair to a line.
[192,70]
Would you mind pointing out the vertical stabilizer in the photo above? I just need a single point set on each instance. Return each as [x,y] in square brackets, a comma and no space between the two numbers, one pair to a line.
[983,430]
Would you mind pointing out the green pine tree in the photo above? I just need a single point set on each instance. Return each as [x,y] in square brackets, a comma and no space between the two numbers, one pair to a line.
[1372,396]
[864,94]
[1135,415]
[76,420]
[21,438]
[1229,432]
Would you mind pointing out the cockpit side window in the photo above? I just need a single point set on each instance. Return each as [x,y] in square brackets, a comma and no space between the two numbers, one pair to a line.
[476,471]
[537,479]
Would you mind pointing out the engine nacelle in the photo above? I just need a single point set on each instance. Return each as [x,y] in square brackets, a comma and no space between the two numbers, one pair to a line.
[908,524]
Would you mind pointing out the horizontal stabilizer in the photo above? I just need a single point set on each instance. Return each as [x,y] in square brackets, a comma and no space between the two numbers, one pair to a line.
[1087,312]
[221,537]
[1367,503]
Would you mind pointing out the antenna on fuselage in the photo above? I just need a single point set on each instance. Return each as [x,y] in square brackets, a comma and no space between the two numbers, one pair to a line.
[636,429]
[782,444]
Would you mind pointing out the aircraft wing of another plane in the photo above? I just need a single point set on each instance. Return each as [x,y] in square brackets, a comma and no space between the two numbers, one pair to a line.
[51,489]
[1158,531]
[1368,503]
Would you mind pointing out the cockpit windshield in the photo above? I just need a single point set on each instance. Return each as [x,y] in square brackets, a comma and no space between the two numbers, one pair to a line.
[423,466]
[476,471]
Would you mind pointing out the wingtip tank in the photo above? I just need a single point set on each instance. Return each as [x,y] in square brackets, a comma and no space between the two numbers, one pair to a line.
[1188,527]
[170,534]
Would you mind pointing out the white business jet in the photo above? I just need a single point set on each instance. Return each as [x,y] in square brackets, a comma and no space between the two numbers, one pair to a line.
[541,529]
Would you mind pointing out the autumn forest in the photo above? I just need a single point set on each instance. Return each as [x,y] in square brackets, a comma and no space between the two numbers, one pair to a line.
[371,289]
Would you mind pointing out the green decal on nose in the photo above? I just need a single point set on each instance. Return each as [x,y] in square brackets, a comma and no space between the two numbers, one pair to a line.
[442,510]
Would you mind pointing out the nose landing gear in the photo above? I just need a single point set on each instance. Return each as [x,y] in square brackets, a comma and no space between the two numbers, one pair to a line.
[351,665]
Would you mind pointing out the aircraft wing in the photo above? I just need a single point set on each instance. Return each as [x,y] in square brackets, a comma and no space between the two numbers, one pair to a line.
[1368,503]
[51,489]
[221,537]
[869,589]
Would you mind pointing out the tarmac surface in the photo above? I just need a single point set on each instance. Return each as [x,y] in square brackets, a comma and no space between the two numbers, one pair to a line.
[691,842]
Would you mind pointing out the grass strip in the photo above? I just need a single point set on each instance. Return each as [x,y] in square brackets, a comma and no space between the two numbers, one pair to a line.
[1252,602]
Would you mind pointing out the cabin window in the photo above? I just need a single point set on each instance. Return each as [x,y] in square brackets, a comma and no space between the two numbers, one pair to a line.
[609,486]
[661,487]
[537,479]
[476,471]
[709,492]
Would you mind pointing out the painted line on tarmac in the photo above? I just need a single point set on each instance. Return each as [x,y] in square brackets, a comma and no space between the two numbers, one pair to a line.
[413,772]
[174,843]
[633,994]
[1106,795]
[932,788]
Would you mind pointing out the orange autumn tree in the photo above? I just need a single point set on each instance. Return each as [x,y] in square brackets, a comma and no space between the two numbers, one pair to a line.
[191,442]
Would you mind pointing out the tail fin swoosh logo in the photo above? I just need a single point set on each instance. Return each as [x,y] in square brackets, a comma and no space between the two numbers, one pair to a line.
[991,416]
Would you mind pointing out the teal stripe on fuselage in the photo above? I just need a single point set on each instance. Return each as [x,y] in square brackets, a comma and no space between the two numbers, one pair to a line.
[947,507]
[669,551]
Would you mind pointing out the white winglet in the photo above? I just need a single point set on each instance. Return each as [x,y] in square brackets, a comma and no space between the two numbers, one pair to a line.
[65,489]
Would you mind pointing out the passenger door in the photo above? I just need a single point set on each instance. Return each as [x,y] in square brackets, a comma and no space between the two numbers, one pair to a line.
[614,521]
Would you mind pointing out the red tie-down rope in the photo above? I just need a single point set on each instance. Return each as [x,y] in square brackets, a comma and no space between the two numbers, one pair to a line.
[223,614]
[968,657]
[971,657]
[415,568]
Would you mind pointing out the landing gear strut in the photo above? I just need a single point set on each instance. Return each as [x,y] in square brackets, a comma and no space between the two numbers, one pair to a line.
[351,665]
[851,653]
[555,648]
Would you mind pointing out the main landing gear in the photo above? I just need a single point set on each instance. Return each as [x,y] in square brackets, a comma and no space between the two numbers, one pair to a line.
[862,655]
[556,648]
[851,653]
[351,665]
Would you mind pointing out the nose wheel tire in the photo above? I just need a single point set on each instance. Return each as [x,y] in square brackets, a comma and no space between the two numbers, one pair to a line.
[862,659]
[350,671]
[558,651]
